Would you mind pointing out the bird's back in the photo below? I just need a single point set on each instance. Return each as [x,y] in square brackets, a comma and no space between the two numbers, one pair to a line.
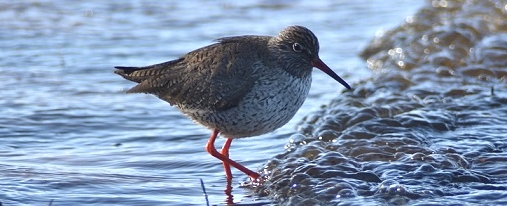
[214,77]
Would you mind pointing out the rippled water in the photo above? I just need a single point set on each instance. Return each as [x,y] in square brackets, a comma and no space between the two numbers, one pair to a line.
[429,128]
[426,127]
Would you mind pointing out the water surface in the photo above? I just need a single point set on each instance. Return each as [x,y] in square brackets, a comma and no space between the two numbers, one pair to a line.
[68,132]
[427,129]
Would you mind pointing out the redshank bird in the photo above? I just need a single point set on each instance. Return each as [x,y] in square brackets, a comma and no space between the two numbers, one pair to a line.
[241,86]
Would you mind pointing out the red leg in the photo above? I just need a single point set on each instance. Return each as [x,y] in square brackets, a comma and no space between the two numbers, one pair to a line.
[225,153]
[210,147]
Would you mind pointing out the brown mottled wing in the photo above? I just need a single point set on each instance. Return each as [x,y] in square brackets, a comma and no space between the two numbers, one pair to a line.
[214,77]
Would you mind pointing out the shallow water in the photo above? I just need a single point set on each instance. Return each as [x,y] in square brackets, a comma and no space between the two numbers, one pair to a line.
[428,128]
[69,133]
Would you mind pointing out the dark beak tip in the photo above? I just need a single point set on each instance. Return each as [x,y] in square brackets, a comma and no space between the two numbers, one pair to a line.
[322,66]
[347,86]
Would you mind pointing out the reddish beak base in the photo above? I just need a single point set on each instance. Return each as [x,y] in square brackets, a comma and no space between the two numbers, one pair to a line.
[322,66]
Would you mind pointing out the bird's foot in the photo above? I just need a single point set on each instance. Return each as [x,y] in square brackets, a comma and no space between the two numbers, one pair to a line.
[255,180]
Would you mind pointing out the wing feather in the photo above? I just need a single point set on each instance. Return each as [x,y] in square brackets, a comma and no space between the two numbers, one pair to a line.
[215,77]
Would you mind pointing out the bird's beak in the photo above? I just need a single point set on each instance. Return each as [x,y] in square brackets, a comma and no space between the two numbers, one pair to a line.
[322,66]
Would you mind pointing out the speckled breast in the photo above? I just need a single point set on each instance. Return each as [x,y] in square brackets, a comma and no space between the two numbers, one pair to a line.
[271,103]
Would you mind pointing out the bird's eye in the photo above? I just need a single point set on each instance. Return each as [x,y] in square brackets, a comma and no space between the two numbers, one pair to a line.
[297,47]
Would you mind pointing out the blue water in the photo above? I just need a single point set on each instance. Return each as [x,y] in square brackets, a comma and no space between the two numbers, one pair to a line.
[68,132]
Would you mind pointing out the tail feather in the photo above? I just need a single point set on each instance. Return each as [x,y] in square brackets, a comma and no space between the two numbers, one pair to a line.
[126,70]
[139,74]
[130,73]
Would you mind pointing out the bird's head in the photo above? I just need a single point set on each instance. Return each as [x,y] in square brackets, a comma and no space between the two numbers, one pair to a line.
[297,50]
